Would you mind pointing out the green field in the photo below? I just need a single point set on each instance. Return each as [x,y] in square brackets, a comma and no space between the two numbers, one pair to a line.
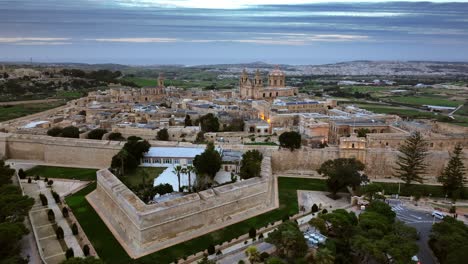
[15,111]
[142,81]
[369,89]
[142,175]
[63,173]
[111,252]
[424,100]
[403,112]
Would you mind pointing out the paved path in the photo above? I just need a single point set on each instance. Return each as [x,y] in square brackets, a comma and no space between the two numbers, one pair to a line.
[69,238]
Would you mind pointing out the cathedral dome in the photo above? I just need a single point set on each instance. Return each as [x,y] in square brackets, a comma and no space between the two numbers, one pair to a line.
[276,72]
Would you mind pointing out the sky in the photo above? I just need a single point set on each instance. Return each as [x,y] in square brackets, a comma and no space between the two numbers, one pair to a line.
[194,32]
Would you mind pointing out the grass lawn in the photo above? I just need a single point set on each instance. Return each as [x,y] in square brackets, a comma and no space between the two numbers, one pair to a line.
[63,173]
[8,112]
[424,100]
[136,177]
[111,252]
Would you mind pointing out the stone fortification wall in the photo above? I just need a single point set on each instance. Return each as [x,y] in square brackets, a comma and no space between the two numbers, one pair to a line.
[60,151]
[380,162]
[145,228]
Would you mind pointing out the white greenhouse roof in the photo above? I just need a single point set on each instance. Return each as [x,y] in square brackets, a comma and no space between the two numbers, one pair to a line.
[174,152]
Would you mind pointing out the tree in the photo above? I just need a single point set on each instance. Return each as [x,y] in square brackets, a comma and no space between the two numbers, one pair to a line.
[43,199]
[59,233]
[289,240]
[205,260]
[209,162]
[314,208]
[74,229]
[211,249]
[290,140]
[86,250]
[10,237]
[208,123]
[177,171]
[69,253]
[253,254]
[340,173]
[252,232]
[251,164]
[13,205]
[54,132]
[65,212]
[324,256]
[115,136]
[274,260]
[362,132]
[97,133]
[410,163]
[187,121]
[21,174]
[189,170]
[87,260]
[51,215]
[129,157]
[449,241]
[370,191]
[6,173]
[453,176]
[162,135]
[70,132]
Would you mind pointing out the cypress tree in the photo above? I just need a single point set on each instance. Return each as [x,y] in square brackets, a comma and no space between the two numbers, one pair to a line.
[411,160]
[453,175]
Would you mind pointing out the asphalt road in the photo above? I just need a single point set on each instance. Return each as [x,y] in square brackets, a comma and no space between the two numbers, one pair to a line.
[420,220]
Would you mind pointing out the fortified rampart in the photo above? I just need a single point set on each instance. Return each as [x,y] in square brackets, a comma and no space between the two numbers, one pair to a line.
[380,162]
[60,151]
[144,228]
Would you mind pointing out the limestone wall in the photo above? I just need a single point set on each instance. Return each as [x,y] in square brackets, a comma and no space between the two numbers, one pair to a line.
[143,229]
[60,151]
[379,162]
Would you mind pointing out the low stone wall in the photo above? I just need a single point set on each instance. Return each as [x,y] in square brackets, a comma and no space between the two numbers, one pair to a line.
[145,228]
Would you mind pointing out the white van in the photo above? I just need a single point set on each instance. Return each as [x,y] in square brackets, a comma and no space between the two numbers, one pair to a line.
[438,215]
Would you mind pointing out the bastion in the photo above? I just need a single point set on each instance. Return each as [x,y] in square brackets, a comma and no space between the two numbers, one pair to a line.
[145,228]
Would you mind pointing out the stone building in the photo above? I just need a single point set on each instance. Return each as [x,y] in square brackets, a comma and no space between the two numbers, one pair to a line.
[276,87]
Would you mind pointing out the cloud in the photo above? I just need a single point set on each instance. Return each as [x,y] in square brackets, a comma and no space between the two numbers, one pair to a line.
[136,40]
[39,40]
[293,39]
[238,4]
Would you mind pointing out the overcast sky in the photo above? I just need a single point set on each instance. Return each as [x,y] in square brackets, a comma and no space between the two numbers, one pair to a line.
[204,32]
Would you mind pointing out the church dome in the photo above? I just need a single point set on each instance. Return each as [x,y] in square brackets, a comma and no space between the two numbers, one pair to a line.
[276,72]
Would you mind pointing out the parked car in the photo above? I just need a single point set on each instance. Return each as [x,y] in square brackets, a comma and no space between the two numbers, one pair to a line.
[438,214]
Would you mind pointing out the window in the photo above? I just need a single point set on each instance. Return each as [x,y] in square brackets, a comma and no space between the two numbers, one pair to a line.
[189,161]
[176,161]
[263,94]
[352,146]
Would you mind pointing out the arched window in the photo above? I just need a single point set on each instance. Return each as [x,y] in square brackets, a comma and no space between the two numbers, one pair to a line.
[352,146]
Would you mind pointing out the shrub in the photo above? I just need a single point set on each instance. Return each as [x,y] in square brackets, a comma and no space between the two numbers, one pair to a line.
[453,210]
[211,249]
[324,211]
[50,182]
[29,180]
[314,208]
[36,178]
[74,229]
[260,236]
[50,215]
[264,256]
[46,179]
[86,250]
[54,132]
[65,212]
[116,136]
[21,174]
[56,197]
[59,233]
[245,242]
[252,232]
[43,199]
[97,133]
[241,262]
[219,252]
[69,253]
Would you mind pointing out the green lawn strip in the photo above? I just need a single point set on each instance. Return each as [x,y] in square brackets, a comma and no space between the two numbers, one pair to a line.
[9,112]
[135,177]
[111,252]
[412,189]
[63,173]
[427,100]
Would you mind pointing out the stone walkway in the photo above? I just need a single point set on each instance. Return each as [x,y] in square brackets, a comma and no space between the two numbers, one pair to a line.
[69,238]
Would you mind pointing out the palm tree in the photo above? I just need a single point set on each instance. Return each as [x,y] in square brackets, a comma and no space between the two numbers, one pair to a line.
[189,169]
[177,170]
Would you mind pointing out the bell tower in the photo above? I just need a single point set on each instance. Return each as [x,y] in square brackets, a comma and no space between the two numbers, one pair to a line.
[258,82]
[161,80]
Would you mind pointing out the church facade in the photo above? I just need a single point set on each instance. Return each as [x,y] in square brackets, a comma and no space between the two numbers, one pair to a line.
[256,90]
[139,95]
